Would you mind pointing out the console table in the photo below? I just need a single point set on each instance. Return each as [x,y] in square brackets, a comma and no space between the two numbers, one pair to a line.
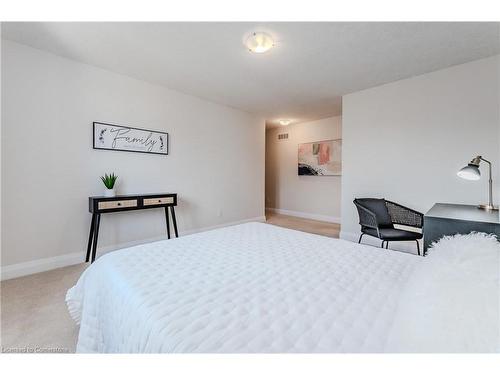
[445,219]
[103,205]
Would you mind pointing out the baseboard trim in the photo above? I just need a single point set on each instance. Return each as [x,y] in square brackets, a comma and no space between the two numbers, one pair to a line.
[46,264]
[306,215]
[193,231]
[40,265]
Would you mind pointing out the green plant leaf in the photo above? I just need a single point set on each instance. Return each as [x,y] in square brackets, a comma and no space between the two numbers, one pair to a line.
[109,180]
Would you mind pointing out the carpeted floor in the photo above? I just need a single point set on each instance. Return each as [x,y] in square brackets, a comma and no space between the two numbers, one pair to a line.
[34,317]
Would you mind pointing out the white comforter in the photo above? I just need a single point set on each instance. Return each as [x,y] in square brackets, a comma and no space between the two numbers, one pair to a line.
[246,288]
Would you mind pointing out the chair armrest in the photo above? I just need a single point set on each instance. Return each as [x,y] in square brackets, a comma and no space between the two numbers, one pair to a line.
[366,217]
[404,216]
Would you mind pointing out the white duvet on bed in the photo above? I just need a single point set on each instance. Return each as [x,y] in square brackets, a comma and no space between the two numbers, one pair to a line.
[246,288]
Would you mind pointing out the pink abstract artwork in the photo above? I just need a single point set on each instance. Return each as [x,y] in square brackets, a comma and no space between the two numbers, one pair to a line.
[320,158]
[324,153]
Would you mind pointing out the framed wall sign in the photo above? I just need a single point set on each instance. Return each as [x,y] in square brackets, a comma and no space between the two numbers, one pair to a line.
[125,138]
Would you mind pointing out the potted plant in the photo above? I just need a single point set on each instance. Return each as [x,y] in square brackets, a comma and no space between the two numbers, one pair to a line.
[109,182]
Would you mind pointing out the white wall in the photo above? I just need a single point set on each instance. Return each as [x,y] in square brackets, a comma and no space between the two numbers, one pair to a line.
[498,104]
[317,197]
[406,140]
[216,161]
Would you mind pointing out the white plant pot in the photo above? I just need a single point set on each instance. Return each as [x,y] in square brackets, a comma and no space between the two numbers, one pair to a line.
[109,192]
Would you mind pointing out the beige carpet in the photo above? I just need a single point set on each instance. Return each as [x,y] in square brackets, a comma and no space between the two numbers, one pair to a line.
[34,317]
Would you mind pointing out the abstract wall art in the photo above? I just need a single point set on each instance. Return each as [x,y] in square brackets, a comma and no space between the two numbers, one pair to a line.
[323,158]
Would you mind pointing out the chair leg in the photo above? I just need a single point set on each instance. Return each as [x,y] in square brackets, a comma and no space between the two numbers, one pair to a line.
[360,237]
[386,244]
[418,247]
[382,245]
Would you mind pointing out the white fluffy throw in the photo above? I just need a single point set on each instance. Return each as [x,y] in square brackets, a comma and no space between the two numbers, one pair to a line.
[452,301]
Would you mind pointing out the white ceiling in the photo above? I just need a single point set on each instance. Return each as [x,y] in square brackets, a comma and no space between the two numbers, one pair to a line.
[302,78]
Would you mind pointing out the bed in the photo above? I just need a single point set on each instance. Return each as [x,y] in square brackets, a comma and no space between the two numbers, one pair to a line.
[250,288]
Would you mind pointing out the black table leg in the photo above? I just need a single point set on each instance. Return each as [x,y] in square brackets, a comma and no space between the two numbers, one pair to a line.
[96,234]
[168,222]
[91,235]
[174,221]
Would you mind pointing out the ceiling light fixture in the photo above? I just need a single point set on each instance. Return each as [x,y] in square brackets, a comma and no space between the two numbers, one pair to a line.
[259,42]
[285,122]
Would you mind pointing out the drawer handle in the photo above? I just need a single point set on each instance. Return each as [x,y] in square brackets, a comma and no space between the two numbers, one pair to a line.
[118,204]
[159,200]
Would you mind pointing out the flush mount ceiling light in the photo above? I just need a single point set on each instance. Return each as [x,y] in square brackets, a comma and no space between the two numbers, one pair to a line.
[259,42]
[285,122]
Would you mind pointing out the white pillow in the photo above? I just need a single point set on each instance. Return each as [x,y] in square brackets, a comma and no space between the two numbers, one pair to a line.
[451,301]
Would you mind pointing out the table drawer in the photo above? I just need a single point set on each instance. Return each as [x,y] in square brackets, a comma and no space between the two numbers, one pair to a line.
[160,200]
[111,205]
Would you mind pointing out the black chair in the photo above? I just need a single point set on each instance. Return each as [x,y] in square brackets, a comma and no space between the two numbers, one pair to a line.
[378,216]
